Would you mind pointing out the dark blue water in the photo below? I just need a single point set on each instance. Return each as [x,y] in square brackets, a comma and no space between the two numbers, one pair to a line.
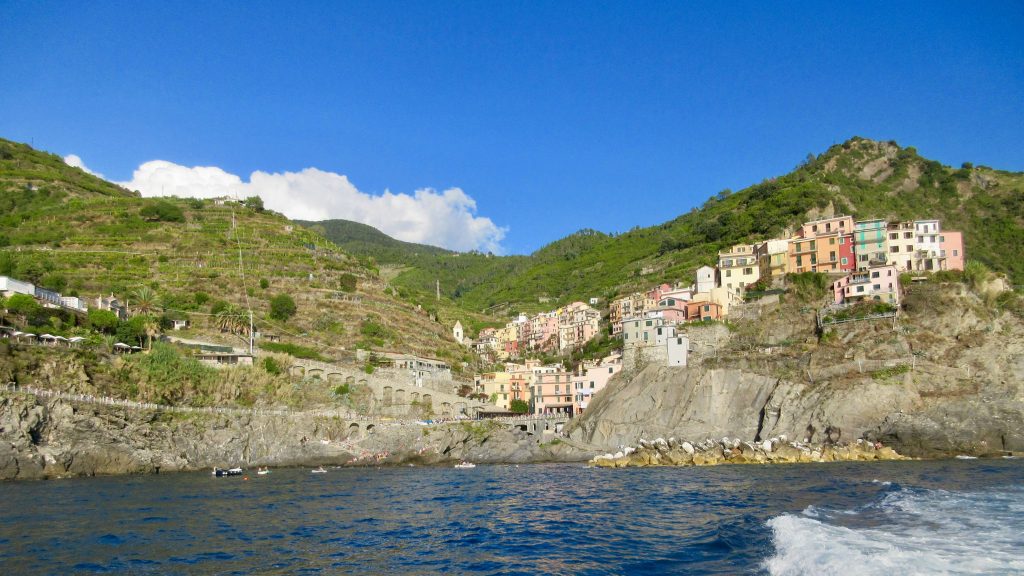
[544,519]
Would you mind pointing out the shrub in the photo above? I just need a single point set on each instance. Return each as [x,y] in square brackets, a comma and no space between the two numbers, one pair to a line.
[519,406]
[347,282]
[162,211]
[22,305]
[282,307]
[254,202]
[201,298]
[272,366]
[292,349]
[219,306]
[264,283]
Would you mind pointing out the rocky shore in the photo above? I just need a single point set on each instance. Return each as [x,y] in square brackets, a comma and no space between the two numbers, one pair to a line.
[672,452]
[55,438]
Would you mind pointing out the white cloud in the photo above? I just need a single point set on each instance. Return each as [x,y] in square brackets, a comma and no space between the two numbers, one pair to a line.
[446,219]
[74,160]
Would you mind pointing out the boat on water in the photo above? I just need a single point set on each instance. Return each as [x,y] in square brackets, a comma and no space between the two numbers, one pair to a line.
[465,464]
[263,471]
[319,470]
[218,472]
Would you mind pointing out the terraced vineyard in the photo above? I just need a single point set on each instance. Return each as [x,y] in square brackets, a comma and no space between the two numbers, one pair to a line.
[66,230]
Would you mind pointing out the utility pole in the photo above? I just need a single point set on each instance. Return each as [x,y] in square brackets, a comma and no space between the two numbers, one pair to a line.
[250,333]
[438,289]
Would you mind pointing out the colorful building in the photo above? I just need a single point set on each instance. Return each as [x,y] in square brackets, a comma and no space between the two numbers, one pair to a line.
[772,260]
[878,283]
[738,268]
[592,379]
[951,247]
[870,243]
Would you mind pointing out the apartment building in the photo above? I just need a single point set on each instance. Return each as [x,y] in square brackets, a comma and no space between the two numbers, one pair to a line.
[878,283]
[870,243]
[772,260]
[738,268]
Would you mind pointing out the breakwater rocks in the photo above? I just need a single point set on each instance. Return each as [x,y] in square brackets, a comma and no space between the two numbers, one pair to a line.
[672,452]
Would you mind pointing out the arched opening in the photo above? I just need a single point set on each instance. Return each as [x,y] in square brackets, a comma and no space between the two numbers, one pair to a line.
[400,396]
[314,373]
[369,427]
[350,380]
[297,370]
[388,396]
[446,409]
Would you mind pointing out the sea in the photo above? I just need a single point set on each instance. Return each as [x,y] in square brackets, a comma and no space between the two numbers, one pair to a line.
[891,518]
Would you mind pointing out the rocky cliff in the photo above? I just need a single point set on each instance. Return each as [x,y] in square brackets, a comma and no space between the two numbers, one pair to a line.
[947,377]
[45,438]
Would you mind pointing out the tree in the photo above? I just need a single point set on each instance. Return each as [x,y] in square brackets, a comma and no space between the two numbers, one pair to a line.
[103,320]
[282,307]
[145,300]
[519,406]
[254,202]
[264,283]
[232,319]
[22,305]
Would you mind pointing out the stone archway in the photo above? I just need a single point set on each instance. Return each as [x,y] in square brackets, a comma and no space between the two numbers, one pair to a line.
[446,409]
[353,430]
[350,380]
[297,370]
[400,396]
[314,373]
[335,378]
[388,396]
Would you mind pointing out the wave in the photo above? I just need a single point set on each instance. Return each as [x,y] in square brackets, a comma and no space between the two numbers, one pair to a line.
[906,531]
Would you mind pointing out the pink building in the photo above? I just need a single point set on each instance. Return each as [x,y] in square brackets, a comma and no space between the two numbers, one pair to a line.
[951,246]
[551,393]
[878,283]
[591,381]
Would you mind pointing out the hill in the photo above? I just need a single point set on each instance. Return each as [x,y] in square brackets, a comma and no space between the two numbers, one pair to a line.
[365,240]
[860,177]
[69,231]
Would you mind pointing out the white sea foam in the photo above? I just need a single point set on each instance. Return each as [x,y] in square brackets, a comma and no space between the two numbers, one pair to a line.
[906,532]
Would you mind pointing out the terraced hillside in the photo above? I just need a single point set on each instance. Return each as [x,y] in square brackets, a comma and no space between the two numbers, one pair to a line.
[864,178]
[64,229]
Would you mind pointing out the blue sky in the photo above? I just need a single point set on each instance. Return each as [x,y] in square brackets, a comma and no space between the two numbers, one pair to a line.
[549,116]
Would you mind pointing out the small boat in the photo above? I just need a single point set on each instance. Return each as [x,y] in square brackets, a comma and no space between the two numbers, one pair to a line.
[465,464]
[218,472]
[263,471]
[319,470]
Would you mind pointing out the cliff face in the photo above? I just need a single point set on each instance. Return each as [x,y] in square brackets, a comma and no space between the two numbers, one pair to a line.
[54,438]
[949,379]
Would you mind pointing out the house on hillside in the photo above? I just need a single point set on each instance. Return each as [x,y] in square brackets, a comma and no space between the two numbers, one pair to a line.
[878,283]
[112,304]
[458,333]
[10,286]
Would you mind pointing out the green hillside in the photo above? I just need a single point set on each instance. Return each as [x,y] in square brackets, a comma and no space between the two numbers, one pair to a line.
[365,240]
[863,178]
[67,230]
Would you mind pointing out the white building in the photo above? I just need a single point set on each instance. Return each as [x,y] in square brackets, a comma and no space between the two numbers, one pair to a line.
[705,279]
[73,302]
[457,333]
[10,286]
[651,340]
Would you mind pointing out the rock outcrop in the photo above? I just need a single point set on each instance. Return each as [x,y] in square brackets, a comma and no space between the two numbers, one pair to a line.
[948,380]
[733,451]
[56,438]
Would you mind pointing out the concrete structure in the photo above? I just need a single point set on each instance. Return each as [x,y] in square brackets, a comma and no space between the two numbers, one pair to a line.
[48,297]
[10,286]
[878,283]
[418,367]
[458,333]
[113,305]
[705,279]
[772,260]
[738,268]
[870,243]
[224,359]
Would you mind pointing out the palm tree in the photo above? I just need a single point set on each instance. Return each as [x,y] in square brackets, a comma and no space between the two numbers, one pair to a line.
[146,300]
[234,320]
[151,326]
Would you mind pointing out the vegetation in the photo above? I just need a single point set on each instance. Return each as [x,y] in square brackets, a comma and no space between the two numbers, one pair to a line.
[891,372]
[282,307]
[517,406]
[292,350]
[162,211]
[860,177]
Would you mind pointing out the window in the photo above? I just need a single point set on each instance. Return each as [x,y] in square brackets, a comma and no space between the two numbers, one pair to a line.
[556,388]
[659,331]
[831,241]
[707,307]
[592,382]
[842,240]
[812,244]
[843,260]
[832,256]
[863,257]
[942,238]
[877,287]
[955,253]
[728,273]
[894,236]
[874,274]
[748,271]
